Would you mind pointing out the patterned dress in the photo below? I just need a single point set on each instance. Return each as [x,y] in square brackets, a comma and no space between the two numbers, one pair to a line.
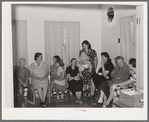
[86,75]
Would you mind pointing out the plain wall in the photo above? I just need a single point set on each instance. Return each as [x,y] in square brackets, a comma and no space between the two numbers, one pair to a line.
[89,17]
[110,31]
[94,25]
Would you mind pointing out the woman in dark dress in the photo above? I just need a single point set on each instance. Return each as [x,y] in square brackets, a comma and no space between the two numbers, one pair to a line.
[102,76]
[74,81]
[94,62]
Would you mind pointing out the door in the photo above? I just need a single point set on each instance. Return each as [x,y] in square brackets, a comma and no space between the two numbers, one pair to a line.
[63,39]
[128,37]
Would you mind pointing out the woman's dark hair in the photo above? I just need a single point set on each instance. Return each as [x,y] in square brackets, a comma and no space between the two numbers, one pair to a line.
[87,43]
[132,61]
[37,55]
[60,61]
[105,54]
[73,59]
[56,57]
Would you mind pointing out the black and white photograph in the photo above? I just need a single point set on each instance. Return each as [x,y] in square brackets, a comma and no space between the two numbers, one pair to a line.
[74,60]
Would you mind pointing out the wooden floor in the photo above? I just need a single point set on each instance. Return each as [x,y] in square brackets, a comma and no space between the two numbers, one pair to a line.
[68,103]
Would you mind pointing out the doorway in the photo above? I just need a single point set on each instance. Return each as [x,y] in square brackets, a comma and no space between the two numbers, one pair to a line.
[128,37]
[63,39]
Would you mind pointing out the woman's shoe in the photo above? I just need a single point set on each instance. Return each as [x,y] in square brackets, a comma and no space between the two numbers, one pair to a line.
[77,101]
[43,104]
[107,106]
[91,98]
[58,101]
[62,100]
[97,104]
[81,102]
[23,105]
[32,103]
[85,93]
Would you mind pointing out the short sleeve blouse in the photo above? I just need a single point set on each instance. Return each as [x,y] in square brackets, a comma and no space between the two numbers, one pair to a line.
[109,67]
[59,70]
[39,71]
[72,72]
[22,73]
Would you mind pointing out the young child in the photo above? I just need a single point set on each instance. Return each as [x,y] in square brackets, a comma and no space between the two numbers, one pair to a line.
[60,81]
[84,63]
[22,77]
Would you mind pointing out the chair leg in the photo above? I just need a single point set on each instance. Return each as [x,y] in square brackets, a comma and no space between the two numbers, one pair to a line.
[49,93]
[69,95]
[53,97]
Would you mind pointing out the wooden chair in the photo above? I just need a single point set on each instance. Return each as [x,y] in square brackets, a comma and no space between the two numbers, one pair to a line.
[66,92]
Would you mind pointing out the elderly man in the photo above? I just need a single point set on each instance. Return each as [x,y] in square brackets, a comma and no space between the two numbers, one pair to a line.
[114,91]
[120,73]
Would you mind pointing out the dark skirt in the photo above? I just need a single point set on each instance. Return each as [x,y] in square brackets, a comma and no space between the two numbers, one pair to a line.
[75,86]
[98,79]
[104,86]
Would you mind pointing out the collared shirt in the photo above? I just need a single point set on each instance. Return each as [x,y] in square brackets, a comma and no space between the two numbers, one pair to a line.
[40,70]
[120,72]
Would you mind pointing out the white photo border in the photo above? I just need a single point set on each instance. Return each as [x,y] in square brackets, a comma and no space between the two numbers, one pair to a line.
[10,113]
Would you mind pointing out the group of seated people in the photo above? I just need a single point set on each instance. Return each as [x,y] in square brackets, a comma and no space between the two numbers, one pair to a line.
[76,78]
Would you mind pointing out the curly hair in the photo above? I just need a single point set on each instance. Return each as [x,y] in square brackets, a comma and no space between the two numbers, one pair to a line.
[60,61]
[118,57]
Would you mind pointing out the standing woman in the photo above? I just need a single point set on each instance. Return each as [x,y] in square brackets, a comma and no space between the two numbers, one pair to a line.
[74,81]
[39,73]
[94,62]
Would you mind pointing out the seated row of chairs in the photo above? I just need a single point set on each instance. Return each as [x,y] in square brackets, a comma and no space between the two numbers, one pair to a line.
[53,94]
[49,95]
